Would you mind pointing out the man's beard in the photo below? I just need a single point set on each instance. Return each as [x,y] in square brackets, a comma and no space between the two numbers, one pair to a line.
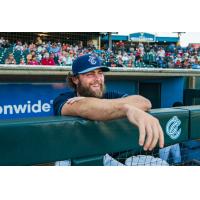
[87,92]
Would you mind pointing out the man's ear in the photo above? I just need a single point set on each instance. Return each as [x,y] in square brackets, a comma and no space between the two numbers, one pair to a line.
[75,80]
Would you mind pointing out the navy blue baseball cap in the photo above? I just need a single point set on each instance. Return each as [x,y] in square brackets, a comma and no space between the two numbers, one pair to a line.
[87,63]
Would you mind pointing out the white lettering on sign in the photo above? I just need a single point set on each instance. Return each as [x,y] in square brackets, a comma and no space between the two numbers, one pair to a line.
[25,108]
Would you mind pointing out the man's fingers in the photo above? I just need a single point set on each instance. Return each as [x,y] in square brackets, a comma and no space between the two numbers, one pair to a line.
[161,136]
[142,134]
[154,134]
[149,134]
[150,131]
[155,138]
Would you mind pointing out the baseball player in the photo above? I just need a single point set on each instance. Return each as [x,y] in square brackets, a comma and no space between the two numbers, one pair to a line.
[90,100]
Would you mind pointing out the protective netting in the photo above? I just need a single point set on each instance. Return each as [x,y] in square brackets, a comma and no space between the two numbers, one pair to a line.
[186,153]
[85,38]
[30,48]
[182,154]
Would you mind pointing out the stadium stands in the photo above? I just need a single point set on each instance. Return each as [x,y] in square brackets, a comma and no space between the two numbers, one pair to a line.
[132,55]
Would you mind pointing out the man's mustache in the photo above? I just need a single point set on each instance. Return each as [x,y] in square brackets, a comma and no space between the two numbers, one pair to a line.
[97,82]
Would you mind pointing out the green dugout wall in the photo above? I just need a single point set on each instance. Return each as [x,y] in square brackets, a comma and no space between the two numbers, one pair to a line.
[44,140]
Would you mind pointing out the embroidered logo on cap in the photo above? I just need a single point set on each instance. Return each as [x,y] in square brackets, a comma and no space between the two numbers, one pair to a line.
[92,60]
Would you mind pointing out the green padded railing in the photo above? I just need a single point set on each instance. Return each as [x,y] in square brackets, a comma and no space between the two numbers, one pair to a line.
[43,140]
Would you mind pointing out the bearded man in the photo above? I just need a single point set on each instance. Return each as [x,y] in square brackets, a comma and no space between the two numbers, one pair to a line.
[90,100]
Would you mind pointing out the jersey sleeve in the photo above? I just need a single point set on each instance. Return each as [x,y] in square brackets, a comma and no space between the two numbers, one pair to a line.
[60,101]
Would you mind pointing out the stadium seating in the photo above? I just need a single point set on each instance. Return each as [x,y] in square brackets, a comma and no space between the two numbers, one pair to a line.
[149,55]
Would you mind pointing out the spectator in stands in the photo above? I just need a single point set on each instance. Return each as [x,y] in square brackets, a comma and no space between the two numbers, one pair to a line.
[141,49]
[138,53]
[120,62]
[39,56]
[63,58]
[171,64]
[178,63]
[25,47]
[112,62]
[186,63]
[70,58]
[198,55]
[161,53]
[19,46]
[64,47]
[41,48]
[196,61]
[130,63]
[54,48]
[38,41]
[132,57]
[33,61]
[2,41]
[5,44]
[119,55]
[120,46]
[89,100]
[47,60]
[32,47]
[125,59]
[10,59]
[139,62]
[29,58]
[22,62]
[160,62]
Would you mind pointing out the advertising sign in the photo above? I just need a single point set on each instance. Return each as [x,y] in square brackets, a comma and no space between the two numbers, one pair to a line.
[28,100]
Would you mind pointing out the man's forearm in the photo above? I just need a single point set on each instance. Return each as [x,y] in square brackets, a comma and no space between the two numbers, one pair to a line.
[95,109]
[104,109]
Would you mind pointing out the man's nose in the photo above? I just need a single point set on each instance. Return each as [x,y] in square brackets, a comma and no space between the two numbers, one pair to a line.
[97,76]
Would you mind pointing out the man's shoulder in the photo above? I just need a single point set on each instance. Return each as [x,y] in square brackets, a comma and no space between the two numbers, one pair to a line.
[60,100]
[114,95]
[66,95]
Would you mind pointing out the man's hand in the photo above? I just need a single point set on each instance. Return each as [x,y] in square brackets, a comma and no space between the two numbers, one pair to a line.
[149,127]
[150,131]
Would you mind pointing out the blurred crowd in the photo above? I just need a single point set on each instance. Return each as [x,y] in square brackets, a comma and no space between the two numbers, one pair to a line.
[122,54]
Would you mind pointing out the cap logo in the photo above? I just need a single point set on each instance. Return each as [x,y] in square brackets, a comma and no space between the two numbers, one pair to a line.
[92,60]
